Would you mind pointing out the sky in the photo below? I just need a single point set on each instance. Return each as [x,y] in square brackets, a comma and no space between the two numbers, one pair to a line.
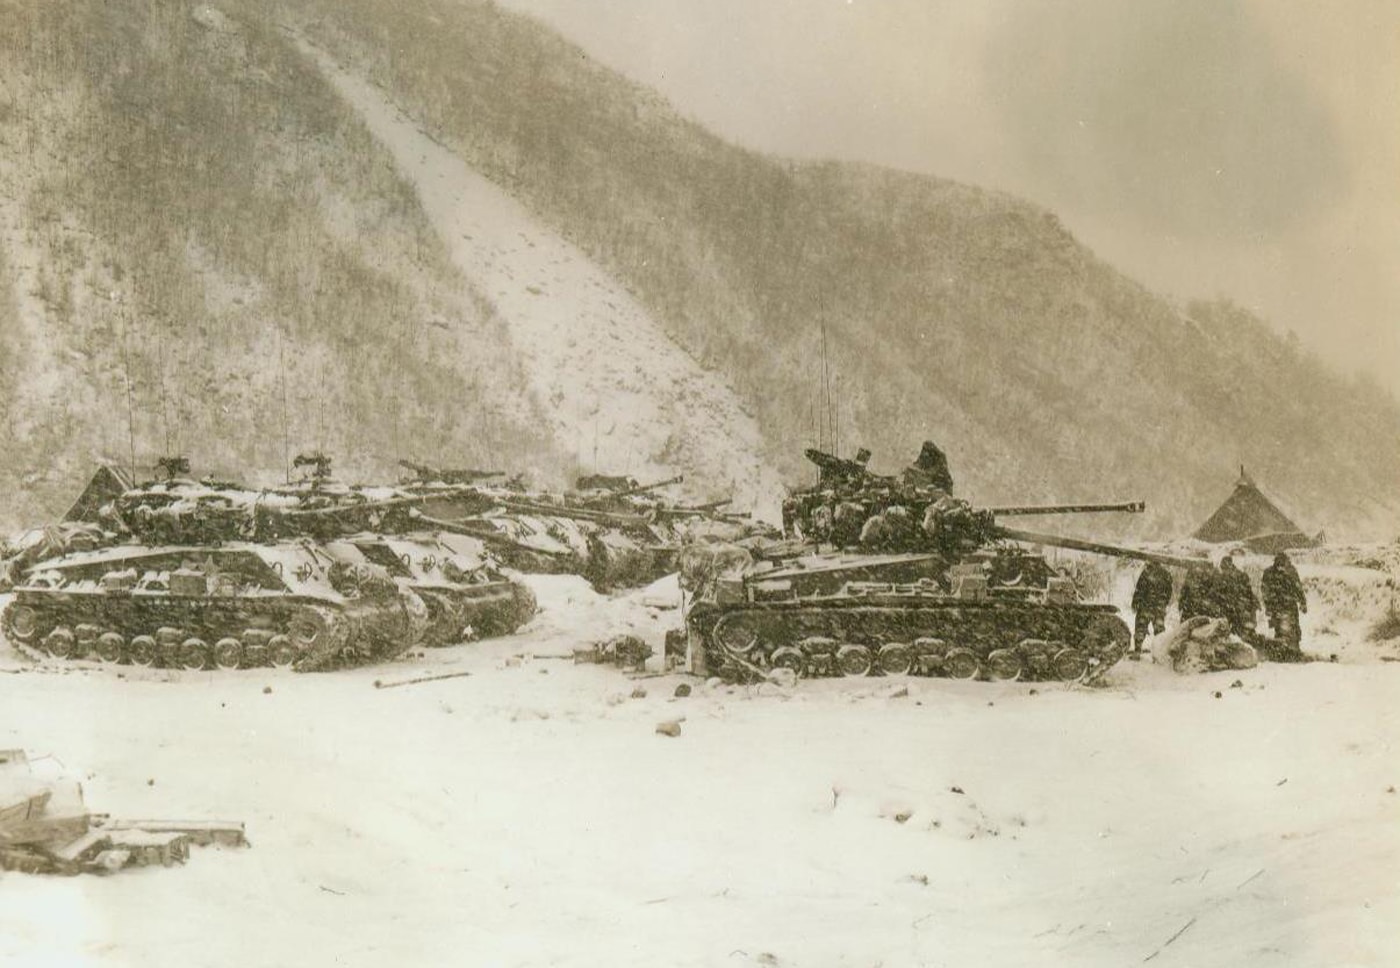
[1240,148]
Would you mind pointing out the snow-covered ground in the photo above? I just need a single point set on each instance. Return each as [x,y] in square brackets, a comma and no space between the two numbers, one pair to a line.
[529,814]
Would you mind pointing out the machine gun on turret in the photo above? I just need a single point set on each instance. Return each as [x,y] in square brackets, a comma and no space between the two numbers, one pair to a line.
[833,471]
[319,463]
[609,496]
[174,467]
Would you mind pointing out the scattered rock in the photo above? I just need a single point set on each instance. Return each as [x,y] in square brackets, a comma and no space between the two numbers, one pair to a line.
[670,727]
[639,693]
[1217,694]
[267,690]
[903,816]
[1237,684]
[901,693]
[151,782]
[683,690]
[956,789]
[919,879]
[1034,692]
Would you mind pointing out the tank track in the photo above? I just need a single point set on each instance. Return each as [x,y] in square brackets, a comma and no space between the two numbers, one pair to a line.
[291,635]
[991,640]
[473,612]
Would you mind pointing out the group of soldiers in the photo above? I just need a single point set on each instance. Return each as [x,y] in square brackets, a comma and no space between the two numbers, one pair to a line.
[1225,592]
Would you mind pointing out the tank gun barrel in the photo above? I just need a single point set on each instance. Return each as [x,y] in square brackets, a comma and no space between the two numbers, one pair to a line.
[638,489]
[1128,507]
[564,511]
[426,472]
[487,535]
[336,509]
[697,510]
[1115,551]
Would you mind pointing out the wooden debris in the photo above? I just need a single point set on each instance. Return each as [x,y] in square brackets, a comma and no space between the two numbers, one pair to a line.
[1179,933]
[410,682]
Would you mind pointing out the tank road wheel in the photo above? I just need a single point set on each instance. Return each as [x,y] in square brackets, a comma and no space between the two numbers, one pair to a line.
[735,634]
[194,654]
[1005,665]
[228,653]
[21,623]
[895,659]
[141,651]
[1069,665]
[961,664]
[110,646]
[788,657]
[86,634]
[854,660]
[168,642]
[1104,642]
[61,643]
[281,654]
[314,629]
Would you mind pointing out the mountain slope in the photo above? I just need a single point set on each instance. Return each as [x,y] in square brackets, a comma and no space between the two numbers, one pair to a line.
[282,280]
[614,385]
[203,251]
[951,312]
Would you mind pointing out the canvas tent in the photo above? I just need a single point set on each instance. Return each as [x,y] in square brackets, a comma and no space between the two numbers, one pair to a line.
[107,482]
[1247,516]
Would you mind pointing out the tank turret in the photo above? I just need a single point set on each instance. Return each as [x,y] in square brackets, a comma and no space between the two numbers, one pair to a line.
[896,575]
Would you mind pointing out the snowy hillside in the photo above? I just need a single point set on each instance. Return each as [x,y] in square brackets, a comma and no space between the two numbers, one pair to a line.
[209,245]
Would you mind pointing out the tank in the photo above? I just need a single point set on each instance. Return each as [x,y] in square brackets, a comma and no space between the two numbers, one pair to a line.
[466,596]
[210,574]
[235,605]
[913,511]
[614,532]
[911,581]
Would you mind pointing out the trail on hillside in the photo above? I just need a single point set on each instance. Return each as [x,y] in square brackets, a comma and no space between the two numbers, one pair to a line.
[618,392]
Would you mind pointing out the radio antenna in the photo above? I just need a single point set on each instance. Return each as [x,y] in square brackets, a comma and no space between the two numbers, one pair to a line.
[130,393]
[286,432]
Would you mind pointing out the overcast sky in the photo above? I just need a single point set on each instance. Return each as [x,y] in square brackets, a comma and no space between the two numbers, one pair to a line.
[1249,148]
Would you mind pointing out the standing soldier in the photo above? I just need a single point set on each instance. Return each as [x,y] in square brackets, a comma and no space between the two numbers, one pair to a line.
[1282,591]
[1237,597]
[1198,592]
[1151,596]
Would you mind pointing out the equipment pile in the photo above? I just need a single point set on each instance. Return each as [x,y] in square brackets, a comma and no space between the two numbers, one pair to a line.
[46,828]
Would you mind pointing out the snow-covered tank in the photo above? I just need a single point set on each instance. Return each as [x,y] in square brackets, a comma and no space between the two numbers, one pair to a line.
[996,615]
[227,606]
[917,582]
[466,596]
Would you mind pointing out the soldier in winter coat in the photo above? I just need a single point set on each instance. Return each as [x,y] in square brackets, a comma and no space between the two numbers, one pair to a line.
[1237,597]
[1282,591]
[1151,596]
[1200,593]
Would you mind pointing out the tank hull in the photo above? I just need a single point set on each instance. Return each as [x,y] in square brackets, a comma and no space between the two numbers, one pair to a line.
[205,632]
[918,634]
